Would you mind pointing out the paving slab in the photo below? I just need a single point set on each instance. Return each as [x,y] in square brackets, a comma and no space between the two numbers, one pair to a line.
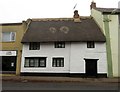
[58,79]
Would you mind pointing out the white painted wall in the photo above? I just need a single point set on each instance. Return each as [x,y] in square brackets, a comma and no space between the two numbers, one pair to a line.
[73,53]
[79,51]
[47,50]
[98,17]
[113,27]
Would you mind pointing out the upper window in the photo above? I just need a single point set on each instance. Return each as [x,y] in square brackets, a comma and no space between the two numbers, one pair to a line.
[8,36]
[35,62]
[59,44]
[34,46]
[58,62]
[90,45]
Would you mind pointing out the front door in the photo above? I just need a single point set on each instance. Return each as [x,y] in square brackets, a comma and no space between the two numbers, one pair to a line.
[9,63]
[91,67]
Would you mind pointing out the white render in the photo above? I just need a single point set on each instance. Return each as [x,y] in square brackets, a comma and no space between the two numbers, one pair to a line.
[73,53]
[114,28]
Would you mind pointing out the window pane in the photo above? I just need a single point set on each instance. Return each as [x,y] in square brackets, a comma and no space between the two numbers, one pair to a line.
[88,45]
[26,63]
[42,62]
[62,62]
[59,45]
[63,45]
[54,64]
[36,62]
[31,62]
[92,44]
[31,46]
[58,62]
[34,46]
[6,36]
[38,46]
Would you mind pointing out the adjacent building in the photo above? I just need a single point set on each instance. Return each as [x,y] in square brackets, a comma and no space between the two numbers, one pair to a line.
[11,35]
[108,20]
[64,46]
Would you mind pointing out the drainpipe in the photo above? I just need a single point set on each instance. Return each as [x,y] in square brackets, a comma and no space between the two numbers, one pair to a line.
[108,45]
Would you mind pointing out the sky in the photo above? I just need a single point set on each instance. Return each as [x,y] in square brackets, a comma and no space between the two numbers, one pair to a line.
[12,11]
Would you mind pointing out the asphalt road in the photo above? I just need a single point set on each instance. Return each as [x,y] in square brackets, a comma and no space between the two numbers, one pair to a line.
[57,86]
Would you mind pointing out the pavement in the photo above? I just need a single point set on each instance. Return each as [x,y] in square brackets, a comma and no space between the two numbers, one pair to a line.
[13,77]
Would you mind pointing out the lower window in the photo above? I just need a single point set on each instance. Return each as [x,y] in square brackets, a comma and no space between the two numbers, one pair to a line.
[58,62]
[35,62]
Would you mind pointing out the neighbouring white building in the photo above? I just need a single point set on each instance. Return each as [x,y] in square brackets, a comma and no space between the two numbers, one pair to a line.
[64,47]
[108,20]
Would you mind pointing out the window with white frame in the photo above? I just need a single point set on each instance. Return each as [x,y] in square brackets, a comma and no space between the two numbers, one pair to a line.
[58,62]
[35,62]
[8,36]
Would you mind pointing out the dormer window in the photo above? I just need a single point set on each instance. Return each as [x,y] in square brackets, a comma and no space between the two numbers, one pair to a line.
[34,46]
[90,44]
[59,44]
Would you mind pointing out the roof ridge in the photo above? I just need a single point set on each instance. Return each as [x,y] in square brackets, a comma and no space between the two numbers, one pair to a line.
[58,19]
[50,19]
[106,8]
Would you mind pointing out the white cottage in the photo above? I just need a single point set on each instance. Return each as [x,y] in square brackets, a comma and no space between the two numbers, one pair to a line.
[64,47]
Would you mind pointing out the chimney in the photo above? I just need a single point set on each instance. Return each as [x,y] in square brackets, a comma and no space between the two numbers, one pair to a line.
[93,5]
[76,16]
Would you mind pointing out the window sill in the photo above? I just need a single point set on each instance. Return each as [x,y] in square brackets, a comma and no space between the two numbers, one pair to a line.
[9,42]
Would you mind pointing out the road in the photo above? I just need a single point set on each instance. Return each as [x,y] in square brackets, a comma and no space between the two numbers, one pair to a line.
[58,86]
